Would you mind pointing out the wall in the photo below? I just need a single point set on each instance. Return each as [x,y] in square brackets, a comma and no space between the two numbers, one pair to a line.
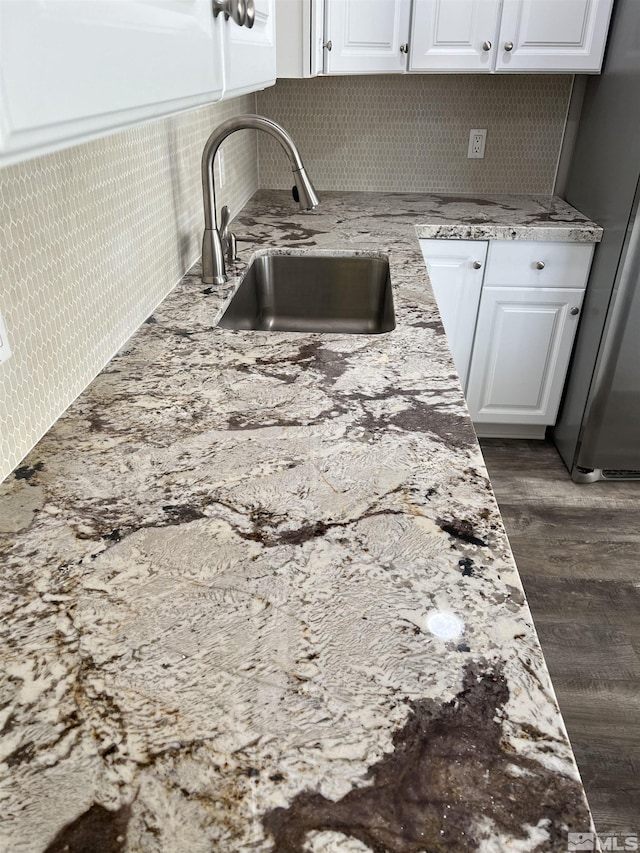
[411,133]
[91,240]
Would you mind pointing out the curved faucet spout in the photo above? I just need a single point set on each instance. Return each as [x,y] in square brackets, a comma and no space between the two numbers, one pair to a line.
[213,265]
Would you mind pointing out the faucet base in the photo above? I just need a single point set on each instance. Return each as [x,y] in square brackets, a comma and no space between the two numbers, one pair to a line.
[214,279]
[213,268]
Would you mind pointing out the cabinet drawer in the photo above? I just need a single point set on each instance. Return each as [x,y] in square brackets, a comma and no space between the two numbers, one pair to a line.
[522,263]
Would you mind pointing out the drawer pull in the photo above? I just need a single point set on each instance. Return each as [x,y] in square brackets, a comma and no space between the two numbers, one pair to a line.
[476,265]
[540,265]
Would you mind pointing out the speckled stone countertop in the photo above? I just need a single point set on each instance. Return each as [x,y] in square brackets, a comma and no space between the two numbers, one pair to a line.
[505,217]
[257,594]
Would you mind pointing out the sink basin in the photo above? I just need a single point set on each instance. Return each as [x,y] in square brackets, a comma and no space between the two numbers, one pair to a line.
[313,293]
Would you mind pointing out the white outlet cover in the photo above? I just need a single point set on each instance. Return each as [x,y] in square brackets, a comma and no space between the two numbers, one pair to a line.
[5,349]
[477,142]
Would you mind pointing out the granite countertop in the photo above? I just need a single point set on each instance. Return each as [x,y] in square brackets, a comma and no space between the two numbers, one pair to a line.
[257,594]
[505,217]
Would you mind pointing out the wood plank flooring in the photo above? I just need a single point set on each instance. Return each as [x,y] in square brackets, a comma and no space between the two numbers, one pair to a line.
[578,552]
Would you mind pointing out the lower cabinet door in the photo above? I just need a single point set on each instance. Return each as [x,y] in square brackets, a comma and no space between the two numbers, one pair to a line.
[521,352]
[456,268]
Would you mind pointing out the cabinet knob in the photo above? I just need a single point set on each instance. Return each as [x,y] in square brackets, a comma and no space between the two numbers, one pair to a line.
[508,45]
[243,12]
[539,265]
[486,45]
[250,17]
[404,48]
[328,45]
[575,311]
[476,265]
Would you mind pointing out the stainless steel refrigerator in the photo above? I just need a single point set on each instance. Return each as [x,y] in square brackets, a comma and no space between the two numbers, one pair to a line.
[598,428]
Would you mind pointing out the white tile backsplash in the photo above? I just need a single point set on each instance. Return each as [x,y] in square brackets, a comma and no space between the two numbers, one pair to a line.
[410,133]
[91,240]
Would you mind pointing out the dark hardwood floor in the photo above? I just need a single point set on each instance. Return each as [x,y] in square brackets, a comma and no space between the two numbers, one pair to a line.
[578,552]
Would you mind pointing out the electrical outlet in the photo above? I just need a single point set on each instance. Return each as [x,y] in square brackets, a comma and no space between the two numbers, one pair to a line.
[5,349]
[477,140]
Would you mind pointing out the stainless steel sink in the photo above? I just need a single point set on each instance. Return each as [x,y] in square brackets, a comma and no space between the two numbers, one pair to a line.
[313,293]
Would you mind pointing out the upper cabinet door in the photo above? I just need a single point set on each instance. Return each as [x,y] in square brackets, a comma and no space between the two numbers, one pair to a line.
[250,54]
[454,35]
[553,35]
[299,38]
[367,36]
[71,70]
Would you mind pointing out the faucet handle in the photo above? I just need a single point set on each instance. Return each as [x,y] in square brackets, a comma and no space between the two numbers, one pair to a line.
[227,238]
[232,247]
[225,217]
[250,15]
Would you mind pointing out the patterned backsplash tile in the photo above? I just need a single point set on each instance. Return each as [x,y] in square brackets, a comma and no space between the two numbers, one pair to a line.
[91,240]
[410,133]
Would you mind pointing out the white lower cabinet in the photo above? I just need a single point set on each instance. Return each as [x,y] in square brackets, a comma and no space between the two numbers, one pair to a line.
[456,269]
[523,342]
[524,324]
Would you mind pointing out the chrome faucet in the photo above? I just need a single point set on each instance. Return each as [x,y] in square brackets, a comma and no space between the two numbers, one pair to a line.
[218,241]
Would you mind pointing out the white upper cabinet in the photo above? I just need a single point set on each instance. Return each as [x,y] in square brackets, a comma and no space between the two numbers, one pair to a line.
[366,36]
[299,38]
[73,70]
[559,35]
[454,35]
[250,53]
[509,35]
[396,36]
